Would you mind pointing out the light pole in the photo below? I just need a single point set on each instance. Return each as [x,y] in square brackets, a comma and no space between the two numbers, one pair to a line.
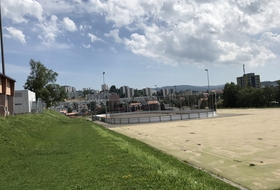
[175,93]
[103,77]
[104,86]
[208,87]
[157,97]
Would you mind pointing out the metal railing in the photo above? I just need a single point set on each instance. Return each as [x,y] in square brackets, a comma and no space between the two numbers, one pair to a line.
[169,116]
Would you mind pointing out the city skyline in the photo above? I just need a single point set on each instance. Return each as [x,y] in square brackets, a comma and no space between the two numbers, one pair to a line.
[142,44]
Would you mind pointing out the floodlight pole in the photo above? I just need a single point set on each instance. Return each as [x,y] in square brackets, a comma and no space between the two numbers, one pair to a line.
[103,77]
[2,44]
[105,96]
[208,85]
[175,92]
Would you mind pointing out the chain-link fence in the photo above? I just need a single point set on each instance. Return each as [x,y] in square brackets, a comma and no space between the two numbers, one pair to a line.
[38,106]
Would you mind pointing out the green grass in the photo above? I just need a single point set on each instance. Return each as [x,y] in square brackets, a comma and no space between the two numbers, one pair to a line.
[51,151]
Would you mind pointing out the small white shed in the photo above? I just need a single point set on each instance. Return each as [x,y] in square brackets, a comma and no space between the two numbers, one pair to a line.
[23,101]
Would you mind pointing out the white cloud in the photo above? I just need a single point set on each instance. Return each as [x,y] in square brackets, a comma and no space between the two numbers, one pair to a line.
[52,27]
[15,34]
[94,38]
[86,46]
[171,32]
[18,10]
[58,7]
[81,28]
[115,35]
[84,27]
[50,30]
[268,38]
[113,49]
[193,32]
[69,24]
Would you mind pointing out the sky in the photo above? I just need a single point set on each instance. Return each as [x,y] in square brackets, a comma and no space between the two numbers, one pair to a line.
[142,43]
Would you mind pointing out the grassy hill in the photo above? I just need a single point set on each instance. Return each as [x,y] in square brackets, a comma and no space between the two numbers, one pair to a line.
[51,151]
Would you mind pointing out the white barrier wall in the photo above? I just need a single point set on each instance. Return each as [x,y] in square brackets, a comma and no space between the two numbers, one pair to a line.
[23,101]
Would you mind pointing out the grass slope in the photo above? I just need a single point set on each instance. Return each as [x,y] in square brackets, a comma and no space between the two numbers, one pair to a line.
[50,151]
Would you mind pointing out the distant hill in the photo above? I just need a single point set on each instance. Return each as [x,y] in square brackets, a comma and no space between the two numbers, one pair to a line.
[269,83]
[216,87]
[194,88]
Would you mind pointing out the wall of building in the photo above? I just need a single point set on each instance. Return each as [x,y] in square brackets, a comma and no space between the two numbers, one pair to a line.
[23,101]
[147,91]
[7,87]
[249,79]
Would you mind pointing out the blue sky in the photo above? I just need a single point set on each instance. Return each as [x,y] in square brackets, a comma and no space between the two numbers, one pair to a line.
[142,43]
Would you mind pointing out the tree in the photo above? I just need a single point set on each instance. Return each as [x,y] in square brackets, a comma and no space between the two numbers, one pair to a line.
[114,89]
[42,81]
[230,95]
[269,93]
[92,106]
[56,94]
[138,93]
[277,93]
[85,92]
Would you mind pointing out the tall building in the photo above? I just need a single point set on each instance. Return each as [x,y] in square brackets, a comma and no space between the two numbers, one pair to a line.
[249,79]
[69,88]
[128,92]
[147,91]
[104,87]
[165,92]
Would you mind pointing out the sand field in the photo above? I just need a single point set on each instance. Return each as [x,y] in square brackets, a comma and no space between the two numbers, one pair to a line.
[242,145]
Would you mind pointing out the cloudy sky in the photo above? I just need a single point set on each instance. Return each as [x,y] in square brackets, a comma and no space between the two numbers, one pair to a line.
[142,43]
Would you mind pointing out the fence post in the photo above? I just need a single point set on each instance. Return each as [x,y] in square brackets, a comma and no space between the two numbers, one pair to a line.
[189,116]
[128,120]
[198,115]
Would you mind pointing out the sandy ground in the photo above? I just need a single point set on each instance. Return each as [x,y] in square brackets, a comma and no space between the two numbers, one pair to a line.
[242,145]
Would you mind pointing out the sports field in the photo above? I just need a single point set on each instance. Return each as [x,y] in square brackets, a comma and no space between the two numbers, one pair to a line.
[242,145]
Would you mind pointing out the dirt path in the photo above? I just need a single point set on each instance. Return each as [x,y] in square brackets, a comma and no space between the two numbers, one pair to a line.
[242,145]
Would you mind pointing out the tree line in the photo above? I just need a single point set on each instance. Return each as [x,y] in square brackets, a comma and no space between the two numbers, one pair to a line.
[235,96]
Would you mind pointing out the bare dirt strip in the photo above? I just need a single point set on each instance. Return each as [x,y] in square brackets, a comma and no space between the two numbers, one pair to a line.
[242,145]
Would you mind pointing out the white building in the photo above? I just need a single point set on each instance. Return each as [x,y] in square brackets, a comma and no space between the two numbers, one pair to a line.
[147,91]
[23,101]
[104,87]
[165,92]
[69,88]
[128,92]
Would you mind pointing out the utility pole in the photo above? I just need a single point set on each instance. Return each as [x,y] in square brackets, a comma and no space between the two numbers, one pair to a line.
[2,44]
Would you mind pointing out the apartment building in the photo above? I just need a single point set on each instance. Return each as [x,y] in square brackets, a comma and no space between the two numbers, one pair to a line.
[128,92]
[104,87]
[165,92]
[69,88]
[147,91]
[249,79]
